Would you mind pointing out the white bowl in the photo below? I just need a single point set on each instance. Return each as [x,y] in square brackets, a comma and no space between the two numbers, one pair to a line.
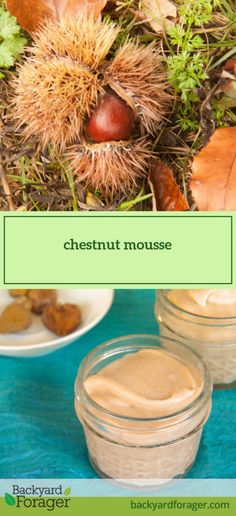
[38,340]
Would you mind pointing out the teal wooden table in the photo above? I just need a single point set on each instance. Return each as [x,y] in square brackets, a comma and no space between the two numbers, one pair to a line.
[40,436]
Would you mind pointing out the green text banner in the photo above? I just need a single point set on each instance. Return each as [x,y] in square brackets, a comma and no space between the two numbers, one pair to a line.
[119,250]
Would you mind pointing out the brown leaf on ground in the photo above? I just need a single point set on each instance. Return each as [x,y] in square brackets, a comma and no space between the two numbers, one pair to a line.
[230,65]
[167,195]
[227,84]
[31,15]
[213,183]
[161,14]
[64,7]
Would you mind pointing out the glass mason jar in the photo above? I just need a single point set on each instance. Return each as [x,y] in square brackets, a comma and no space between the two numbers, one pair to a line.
[126,448]
[214,338]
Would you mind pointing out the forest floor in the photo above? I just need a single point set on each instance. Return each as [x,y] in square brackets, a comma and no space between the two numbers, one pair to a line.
[202,40]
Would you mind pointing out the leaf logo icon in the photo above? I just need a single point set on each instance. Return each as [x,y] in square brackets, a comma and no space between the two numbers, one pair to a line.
[9,499]
[67,491]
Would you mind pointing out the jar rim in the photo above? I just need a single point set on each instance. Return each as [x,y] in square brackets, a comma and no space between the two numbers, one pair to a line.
[205,392]
[197,317]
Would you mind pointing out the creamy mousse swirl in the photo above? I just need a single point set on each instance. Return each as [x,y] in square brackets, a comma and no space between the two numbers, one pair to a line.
[208,303]
[147,384]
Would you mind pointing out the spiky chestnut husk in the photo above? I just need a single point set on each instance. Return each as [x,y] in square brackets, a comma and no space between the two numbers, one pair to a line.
[58,85]
[52,101]
[82,39]
[111,167]
[138,72]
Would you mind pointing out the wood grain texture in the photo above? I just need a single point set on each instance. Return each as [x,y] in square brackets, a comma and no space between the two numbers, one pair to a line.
[40,436]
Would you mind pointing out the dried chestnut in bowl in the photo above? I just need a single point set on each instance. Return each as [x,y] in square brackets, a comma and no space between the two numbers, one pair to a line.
[62,319]
[41,298]
[15,317]
[18,292]
[25,302]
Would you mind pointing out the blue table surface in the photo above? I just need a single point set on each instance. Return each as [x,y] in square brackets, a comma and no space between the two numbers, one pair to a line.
[40,436]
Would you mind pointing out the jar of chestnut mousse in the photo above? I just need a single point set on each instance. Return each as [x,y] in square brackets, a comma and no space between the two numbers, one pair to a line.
[204,320]
[143,401]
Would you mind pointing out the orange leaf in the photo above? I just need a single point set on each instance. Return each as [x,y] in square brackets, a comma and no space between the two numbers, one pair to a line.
[213,183]
[64,7]
[167,195]
[227,84]
[230,65]
[31,15]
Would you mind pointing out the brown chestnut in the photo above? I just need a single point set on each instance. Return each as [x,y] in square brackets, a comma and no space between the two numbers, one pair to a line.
[62,319]
[40,298]
[15,317]
[16,292]
[112,120]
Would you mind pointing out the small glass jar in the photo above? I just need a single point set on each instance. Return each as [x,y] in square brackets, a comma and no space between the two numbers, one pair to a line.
[214,338]
[127,448]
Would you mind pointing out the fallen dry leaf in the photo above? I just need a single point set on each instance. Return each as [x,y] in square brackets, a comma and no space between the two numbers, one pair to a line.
[73,6]
[230,65]
[161,14]
[31,15]
[227,84]
[213,183]
[229,89]
[167,195]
